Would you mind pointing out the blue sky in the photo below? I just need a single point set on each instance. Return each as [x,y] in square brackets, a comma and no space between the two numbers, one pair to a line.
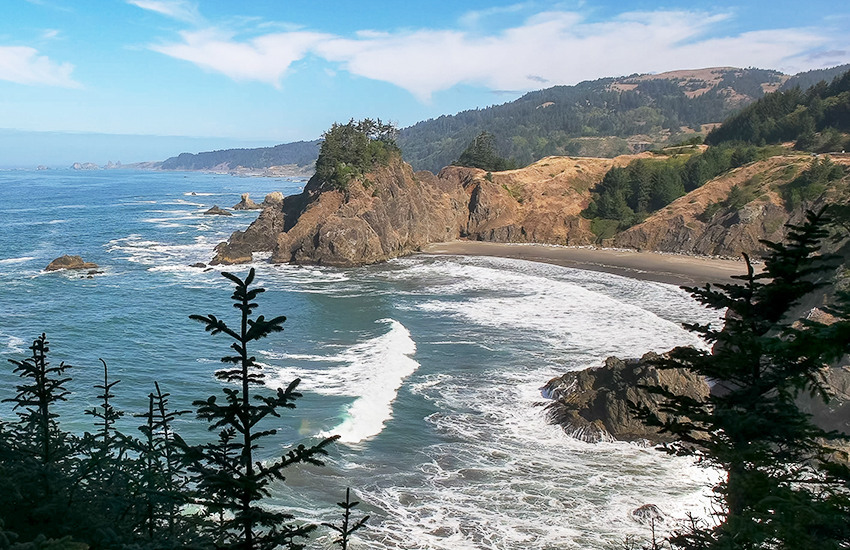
[269,72]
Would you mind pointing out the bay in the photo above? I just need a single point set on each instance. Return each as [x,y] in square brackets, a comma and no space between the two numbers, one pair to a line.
[428,367]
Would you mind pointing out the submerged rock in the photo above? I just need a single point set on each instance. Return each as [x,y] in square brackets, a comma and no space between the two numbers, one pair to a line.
[247,204]
[593,404]
[216,211]
[69,262]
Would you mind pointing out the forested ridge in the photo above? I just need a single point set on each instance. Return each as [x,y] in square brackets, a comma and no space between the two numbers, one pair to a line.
[300,153]
[815,120]
[604,117]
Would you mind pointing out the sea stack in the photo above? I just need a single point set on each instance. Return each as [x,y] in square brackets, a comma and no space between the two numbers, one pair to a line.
[69,262]
[247,204]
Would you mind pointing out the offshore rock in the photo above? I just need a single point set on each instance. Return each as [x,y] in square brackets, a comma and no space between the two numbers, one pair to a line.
[247,204]
[273,198]
[69,262]
[216,211]
[593,404]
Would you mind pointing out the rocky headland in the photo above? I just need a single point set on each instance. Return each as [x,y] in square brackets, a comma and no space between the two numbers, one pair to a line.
[394,211]
[703,222]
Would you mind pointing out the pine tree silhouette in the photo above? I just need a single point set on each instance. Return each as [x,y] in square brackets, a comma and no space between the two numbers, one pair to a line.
[230,480]
[783,488]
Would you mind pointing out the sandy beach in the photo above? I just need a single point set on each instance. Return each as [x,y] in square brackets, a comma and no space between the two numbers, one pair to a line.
[651,266]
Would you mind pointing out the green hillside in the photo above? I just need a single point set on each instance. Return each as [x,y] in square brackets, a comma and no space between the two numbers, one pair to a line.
[817,119]
[603,117]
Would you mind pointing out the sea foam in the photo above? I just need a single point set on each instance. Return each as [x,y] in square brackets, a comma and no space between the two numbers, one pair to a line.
[371,371]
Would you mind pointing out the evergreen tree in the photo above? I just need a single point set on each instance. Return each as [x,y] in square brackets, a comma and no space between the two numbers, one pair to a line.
[230,479]
[783,488]
[481,153]
[347,528]
[350,150]
[162,482]
[40,458]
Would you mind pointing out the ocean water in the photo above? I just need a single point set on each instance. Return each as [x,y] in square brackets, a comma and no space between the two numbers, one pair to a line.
[428,367]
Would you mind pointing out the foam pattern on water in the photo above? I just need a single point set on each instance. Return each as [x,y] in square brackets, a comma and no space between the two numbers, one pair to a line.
[371,371]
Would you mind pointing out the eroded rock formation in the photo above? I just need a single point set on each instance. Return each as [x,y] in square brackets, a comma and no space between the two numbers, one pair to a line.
[393,212]
[593,404]
[247,204]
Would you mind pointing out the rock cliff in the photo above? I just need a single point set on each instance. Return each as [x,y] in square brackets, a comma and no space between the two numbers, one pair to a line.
[393,211]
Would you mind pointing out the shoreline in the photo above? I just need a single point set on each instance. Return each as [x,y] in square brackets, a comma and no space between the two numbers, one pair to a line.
[675,269]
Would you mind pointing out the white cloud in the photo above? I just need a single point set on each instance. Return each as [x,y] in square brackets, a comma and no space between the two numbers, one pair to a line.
[23,65]
[176,9]
[265,58]
[557,47]
[472,18]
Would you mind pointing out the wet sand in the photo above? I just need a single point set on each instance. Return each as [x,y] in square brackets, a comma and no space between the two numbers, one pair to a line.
[651,266]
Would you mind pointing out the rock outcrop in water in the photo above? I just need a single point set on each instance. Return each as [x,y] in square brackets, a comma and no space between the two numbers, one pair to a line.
[393,212]
[247,204]
[69,262]
[216,210]
[593,404]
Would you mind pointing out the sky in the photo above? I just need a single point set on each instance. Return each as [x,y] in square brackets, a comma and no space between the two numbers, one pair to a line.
[262,72]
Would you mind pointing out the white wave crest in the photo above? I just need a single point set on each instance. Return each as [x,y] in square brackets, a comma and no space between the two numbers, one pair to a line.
[13,343]
[21,260]
[372,372]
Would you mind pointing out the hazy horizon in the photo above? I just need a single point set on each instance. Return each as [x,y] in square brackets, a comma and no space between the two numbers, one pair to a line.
[27,149]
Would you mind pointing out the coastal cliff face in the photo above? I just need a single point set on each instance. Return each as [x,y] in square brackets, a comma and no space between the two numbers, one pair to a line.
[703,222]
[392,211]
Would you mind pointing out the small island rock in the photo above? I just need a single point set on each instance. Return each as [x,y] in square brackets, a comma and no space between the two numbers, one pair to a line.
[247,204]
[69,262]
[216,211]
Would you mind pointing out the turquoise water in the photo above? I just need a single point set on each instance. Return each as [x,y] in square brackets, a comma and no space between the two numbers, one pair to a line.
[429,367]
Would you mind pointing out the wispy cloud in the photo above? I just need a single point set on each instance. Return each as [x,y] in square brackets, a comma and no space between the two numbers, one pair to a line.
[176,9]
[49,34]
[556,47]
[472,18]
[264,59]
[23,65]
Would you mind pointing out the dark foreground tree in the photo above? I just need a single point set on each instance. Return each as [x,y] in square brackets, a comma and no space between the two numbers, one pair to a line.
[39,458]
[231,480]
[783,486]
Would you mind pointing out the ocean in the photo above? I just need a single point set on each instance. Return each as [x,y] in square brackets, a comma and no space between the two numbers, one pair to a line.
[428,367]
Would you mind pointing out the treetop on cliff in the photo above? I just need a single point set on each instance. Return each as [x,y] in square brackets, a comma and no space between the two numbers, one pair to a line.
[352,149]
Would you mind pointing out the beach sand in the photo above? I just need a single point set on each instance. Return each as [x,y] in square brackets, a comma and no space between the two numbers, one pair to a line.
[651,266]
